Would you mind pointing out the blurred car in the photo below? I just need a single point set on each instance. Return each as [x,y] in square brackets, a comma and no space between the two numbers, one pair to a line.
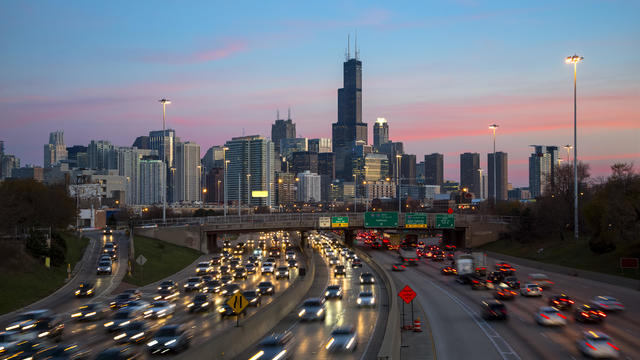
[290,255]
[333,260]
[200,302]
[27,320]
[138,305]
[366,298]
[282,272]
[118,353]
[240,274]
[531,290]
[596,344]
[122,318]
[113,255]
[292,263]
[367,278]
[225,311]
[550,316]
[339,270]
[169,338]
[512,281]
[398,267]
[493,309]
[504,292]
[586,313]
[607,303]
[193,284]
[312,309]
[167,294]
[253,297]
[109,246]
[62,352]
[84,289]
[333,292]
[104,267]
[135,332]
[224,270]
[160,309]
[168,284]
[229,290]
[90,312]
[226,279]
[477,282]
[356,264]
[211,287]
[343,338]
[121,301]
[267,268]
[560,301]
[448,270]
[266,288]
[438,255]
[20,350]
[8,340]
[250,268]
[274,347]
[45,328]
[107,231]
[203,268]
[135,293]
[541,280]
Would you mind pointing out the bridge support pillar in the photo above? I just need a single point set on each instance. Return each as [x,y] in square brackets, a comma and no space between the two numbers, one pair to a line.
[348,237]
[304,239]
[212,242]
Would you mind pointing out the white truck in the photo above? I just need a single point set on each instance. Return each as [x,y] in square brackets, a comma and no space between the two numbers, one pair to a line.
[467,264]
[408,255]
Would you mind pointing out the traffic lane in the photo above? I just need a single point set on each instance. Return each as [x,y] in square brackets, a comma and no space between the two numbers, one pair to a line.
[529,338]
[446,317]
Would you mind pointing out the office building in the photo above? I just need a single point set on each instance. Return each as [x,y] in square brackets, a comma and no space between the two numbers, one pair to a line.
[434,169]
[470,173]
[408,170]
[376,167]
[326,164]
[152,181]
[188,173]
[251,168]
[542,165]
[381,189]
[392,150]
[129,168]
[501,174]
[213,158]
[55,151]
[304,160]
[141,142]
[8,165]
[321,145]
[420,173]
[102,155]
[164,145]
[380,133]
[430,191]
[519,194]
[309,187]
[214,184]
[291,145]
[286,188]
[77,157]
[282,129]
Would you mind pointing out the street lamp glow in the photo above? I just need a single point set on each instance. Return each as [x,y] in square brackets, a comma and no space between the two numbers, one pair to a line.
[573,59]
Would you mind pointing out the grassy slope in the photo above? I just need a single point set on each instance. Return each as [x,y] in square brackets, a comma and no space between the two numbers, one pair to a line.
[163,259]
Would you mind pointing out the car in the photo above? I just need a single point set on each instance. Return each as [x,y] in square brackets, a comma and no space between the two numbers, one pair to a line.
[333,260]
[512,282]
[19,349]
[108,247]
[226,279]
[113,255]
[339,270]
[448,270]
[356,264]
[118,353]
[211,287]
[160,309]
[366,298]
[333,292]
[135,293]
[136,332]
[62,351]
[274,251]
[398,267]
[607,303]
[477,282]
[495,277]
[493,310]
[596,344]
[312,309]
[104,257]
[122,318]
[138,305]
[438,255]
[367,278]
[266,288]
[550,316]
[253,297]
[216,259]
[250,268]
[274,346]
[120,301]
[168,284]
[282,272]
[586,313]
[203,268]
[225,311]
[169,338]
[27,320]
[229,290]
[106,231]
[240,274]
[8,340]
[104,267]
[224,270]
[541,280]
[267,268]
[531,290]
[85,289]
[167,295]
[45,328]
[290,255]
[292,263]
[560,301]
[90,312]
[343,338]
[200,302]
[504,292]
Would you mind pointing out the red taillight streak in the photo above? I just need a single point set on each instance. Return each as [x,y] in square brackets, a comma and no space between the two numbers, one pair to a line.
[589,345]
[544,316]
[613,346]
[602,314]
[584,314]
[562,316]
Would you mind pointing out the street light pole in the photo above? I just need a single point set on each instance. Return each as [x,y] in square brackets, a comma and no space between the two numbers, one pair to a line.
[575,59]
[224,158]
[164,103]
[355,191]
[398,157]
[495,181]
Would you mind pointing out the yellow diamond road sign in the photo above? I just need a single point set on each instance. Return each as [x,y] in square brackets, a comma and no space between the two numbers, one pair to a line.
[237,302]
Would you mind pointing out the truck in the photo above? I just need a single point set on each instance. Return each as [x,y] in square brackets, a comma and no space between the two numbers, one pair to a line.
[408,255]
[467,264]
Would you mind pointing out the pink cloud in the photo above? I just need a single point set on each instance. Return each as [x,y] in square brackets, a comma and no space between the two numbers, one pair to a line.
[207,54]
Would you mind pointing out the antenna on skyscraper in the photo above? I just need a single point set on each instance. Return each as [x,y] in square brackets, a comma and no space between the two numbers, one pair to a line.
[277,114]
[356,46]
[289,114]
[348,46]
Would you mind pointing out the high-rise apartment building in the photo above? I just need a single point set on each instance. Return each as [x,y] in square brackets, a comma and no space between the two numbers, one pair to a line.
[77,157]
[214,184]
[152,181]
[470,173]
[290,145]
[251,168]
[188,173]
[501,174]
[376,167]
[309,187]
[321,145]
[542,167]
[408,169]
[213,158]
[285,188]
[392,150]
[102,155]
[380,133]
[165,145]
[55,151]
[282,129]
[434,169]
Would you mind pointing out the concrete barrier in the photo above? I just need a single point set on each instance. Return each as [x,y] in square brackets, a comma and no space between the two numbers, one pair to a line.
[390,347]
[234,340]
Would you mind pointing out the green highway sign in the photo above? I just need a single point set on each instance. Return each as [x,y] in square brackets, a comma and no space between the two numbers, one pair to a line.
[339,221]
[415,220]
[380,219]
[445,221]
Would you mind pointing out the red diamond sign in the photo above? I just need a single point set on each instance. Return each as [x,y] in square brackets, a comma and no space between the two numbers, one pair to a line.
[450,211]
[407,294]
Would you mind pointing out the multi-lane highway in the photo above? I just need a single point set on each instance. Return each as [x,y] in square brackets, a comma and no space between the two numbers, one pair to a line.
[459,331]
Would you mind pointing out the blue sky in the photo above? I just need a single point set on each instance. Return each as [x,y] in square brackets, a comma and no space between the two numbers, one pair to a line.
[440,72]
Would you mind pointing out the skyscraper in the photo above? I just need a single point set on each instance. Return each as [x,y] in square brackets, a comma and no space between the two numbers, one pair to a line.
[309,186]
[321,145]
[152,178]
[304,160]
[433,169]
[469,173]
[165,148]
[213,158]
[55,151]
[282,129]
[542,164]
[380,133]
[188,172]
[102,155]
[408,169]
[501,174]
[251,168]
[392,150]
[349,130]
[77,157]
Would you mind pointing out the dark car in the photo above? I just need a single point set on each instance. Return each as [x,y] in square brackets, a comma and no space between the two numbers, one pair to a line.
[212,286]
[240,274]
[586,313]
[85,289]
[477,283]
[339,270]
[512,282]
[170,338]
[169,284]
[137,294]
[167,294]
[118,353]
[504,293]
[121,301]
[229,290]
[448,270]
[356,263]
[225,310]
[62,352]
[367,278]
[200,302]
[266,288]
[24,349]
[253,297]
[193,284]
[49,327]
[495,277]
[136,332]
[493,309]
[560,301]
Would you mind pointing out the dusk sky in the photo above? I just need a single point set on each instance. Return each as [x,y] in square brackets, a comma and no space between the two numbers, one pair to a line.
[439,71]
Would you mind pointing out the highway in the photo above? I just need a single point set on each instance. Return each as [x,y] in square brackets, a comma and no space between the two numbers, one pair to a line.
[459,332]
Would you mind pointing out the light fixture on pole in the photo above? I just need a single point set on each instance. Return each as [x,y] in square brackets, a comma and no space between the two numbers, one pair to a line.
[495,195]
[164,103]
[568,147]
[575,59]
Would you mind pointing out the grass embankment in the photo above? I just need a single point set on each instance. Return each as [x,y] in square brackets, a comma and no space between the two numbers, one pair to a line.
[27,280]
[163,259]
[569,253]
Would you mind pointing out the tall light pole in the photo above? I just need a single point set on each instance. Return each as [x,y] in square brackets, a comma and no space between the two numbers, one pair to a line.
[164,103]
[224,158]
[248,193]
[398,157]
[568,147]
[355,191]
[575,59]
[495,181]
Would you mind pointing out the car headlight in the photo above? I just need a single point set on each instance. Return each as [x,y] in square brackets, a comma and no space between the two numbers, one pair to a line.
[221,309]
[302,312]
[152,343]
[351,341]
[108,324]
[120,336]
[90,314]
[359,301]
[319,312]
[77,292]
[75,315]
[326,293]
[190,305]
[329,343]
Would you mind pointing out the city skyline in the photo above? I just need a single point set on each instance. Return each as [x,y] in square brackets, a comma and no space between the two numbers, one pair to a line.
[410,77]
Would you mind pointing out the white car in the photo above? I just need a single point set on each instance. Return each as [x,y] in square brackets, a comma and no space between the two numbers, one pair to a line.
[160,309]
[366,298]
[531,290]
[607,303]
[104,267]
[550,316]
[267,268]
[596,344]
[290,255]
[203,268]
[342,339]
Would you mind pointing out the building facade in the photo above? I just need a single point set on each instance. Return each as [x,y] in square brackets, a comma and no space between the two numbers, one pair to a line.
[380,133]
[470,173]
[501,174]
[434,169]
[251,168]
[188,173]
[309,187]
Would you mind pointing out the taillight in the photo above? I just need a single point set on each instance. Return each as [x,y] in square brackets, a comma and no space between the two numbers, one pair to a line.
[589,345]
[602,314]
[544,316]
[613,346]
[555,301]
[571,301]
[562,316]
[584,314]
